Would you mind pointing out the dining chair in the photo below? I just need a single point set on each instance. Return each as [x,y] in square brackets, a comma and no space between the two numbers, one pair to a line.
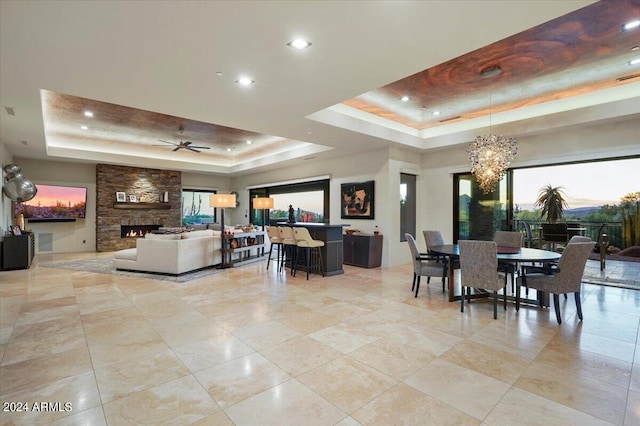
[601,245]
[424,265]
[435,238]
[479,269]
[565,278]
[510,239]
[307,244]
[530,240]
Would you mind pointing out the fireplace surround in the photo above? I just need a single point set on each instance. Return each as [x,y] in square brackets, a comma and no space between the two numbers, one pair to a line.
[149,186]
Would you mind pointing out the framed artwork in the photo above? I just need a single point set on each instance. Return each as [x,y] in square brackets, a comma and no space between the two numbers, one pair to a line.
[133,199]
[121,197]
[15,230]
[357,200]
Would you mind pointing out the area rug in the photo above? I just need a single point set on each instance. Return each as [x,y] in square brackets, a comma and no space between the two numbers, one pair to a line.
[104,265]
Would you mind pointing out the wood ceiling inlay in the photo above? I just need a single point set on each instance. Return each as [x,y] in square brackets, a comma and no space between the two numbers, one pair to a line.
[578,53]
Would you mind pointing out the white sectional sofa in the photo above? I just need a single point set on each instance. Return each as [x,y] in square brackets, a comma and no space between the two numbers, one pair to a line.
[172,253]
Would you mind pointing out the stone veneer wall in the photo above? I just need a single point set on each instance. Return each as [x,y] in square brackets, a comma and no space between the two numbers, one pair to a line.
[148,185]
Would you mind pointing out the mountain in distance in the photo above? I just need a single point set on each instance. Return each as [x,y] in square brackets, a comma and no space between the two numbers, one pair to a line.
[581,211]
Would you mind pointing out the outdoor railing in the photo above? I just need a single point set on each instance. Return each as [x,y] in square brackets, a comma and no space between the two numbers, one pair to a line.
[612,229]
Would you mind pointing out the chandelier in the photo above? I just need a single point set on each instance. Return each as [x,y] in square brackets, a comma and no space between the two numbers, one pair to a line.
[491,155]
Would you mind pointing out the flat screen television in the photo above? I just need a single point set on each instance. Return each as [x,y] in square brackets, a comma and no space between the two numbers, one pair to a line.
[54,203]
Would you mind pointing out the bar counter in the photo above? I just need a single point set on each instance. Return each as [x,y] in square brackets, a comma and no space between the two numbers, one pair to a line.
[332,236]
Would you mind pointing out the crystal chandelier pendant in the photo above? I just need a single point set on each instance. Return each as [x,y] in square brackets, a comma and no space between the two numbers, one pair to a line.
[490,157]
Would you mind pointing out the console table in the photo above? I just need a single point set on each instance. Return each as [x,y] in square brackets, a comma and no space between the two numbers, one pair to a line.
[18,251]
[242,248]
[363,250]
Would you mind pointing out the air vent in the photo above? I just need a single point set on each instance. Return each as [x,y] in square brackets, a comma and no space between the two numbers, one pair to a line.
[628,77]
[10,110]
[451,118]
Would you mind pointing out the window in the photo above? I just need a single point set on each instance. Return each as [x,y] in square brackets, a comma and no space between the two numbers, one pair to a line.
[407,205]
[310,202]
[195,207]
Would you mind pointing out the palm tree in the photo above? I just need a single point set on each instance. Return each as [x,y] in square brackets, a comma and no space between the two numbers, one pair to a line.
[552,202]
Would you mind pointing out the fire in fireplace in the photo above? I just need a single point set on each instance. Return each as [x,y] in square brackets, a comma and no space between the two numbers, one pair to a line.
[136,231]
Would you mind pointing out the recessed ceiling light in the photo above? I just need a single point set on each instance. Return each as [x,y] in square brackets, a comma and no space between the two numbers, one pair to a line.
[635,48]
[299,44]
[88,114]
[436,112]
[219,74]
[248,142]
[83,127]
[245,81]
[405,99]
[634,61]
[228,149]
[630,25]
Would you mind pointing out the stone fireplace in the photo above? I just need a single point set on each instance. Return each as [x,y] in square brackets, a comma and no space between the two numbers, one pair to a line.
[149,212]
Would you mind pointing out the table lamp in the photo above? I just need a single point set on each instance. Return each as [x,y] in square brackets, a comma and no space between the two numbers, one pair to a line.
[221,201]
[263,203]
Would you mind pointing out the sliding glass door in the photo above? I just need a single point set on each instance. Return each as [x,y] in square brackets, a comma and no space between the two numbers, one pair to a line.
[477,216]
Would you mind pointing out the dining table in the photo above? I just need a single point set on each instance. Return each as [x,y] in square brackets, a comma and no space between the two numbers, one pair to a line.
[513,255]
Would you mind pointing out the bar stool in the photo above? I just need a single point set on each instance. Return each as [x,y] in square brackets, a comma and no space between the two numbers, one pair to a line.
[289,245]
[307,244]
[274,238]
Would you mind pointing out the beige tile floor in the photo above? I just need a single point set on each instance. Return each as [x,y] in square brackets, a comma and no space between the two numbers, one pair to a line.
[254,347]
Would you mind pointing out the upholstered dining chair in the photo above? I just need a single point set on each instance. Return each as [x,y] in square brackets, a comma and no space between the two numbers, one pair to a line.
[424,265]
[510,239]
[307,244]
[530,240]
[274,238]
[566,277]
[435,238]
[479,269]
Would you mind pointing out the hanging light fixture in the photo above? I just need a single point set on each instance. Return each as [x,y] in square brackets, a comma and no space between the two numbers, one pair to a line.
[491,155]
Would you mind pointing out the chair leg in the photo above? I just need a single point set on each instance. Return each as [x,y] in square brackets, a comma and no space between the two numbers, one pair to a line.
[578,304]
[495,304]
[269,257]
[565,296]
[505,292]
[413,286]
[428,280]
[556,305]
[307,260]
[462,299]
[517,297]
[417,286]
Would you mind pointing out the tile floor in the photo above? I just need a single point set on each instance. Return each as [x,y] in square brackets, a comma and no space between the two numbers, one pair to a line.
[251,347]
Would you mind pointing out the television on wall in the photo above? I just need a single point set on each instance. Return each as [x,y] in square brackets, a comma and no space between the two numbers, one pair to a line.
[54,203]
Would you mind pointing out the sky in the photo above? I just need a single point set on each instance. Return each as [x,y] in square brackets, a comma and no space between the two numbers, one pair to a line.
[49,195]
[585,184]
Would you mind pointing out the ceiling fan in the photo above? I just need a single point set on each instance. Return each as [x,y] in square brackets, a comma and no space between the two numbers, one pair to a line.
[183,144]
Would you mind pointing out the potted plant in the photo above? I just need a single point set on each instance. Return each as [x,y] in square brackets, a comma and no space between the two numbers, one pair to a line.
[552,202]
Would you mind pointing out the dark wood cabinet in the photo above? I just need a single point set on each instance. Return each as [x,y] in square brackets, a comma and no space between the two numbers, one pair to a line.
[18,252]
[362,250]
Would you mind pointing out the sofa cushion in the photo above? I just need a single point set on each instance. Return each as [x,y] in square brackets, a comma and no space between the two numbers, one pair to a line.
[127,254]
[197,234]
[162,236]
